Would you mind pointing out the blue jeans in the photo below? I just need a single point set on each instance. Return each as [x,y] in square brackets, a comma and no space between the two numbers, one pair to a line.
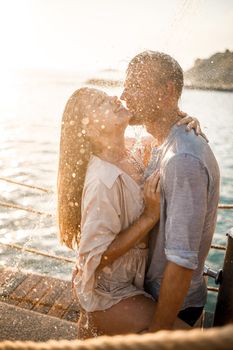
[189,315]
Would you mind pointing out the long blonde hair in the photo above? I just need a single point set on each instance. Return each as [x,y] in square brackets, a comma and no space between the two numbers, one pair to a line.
[75,152]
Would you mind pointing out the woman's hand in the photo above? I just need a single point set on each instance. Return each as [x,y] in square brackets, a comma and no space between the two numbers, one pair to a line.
[192,123]
[152,197]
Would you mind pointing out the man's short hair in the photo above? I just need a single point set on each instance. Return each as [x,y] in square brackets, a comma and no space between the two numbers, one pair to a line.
[167,68]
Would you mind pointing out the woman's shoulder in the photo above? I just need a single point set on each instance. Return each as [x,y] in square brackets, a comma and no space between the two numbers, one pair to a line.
[102,185]
[102,173]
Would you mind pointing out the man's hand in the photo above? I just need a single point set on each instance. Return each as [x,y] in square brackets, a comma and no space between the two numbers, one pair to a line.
[173,291]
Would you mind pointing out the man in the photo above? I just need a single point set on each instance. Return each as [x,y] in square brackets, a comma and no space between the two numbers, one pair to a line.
[189,177]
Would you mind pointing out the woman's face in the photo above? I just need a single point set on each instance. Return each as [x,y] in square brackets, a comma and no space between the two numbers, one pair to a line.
[107,114]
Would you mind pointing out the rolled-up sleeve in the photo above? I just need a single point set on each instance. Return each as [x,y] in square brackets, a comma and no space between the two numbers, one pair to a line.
[185,186]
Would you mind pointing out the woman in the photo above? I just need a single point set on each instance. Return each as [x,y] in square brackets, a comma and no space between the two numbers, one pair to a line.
[96,166]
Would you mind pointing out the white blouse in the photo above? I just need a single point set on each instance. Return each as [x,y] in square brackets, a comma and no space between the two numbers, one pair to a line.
[111,202]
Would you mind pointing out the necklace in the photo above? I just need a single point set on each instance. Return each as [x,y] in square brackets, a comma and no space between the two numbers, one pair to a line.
[133,166]
[130,164]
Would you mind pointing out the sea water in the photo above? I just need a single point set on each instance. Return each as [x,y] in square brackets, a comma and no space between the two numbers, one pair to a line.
[30,119]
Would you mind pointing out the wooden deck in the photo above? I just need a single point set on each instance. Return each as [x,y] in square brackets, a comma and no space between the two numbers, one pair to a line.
[43,294]
[46,295]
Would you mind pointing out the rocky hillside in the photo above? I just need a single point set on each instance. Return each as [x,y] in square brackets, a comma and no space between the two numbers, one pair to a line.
[214,73]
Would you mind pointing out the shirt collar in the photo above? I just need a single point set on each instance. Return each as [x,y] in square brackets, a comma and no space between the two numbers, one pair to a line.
[105,171]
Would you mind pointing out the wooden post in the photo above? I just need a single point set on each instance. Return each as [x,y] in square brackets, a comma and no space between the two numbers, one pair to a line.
[224,308]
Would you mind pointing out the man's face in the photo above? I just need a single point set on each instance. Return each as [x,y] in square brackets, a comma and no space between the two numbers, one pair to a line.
[142,93]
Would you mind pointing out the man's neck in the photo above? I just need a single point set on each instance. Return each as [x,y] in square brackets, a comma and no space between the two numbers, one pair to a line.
[163,124]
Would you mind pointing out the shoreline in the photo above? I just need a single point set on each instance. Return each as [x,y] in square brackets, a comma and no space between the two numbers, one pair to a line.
[209,88]
[119,83]
[104,82]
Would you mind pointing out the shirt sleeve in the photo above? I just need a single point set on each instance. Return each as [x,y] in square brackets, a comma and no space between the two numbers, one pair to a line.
[99,227]
[186,191]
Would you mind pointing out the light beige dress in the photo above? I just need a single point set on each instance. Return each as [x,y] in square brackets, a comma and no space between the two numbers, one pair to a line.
[111,202]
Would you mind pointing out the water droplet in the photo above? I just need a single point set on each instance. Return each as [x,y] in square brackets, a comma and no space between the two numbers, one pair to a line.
[85,121]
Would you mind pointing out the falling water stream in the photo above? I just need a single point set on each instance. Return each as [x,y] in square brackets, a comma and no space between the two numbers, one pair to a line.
[30,117]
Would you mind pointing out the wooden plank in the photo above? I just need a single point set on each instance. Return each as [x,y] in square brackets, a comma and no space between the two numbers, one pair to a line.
[73,312]
[36,293]
[43,289]
[4,278]
[26,325]
[10,281]
[63,302]
[4,275]
[40,293]
[25,287]
[54,290]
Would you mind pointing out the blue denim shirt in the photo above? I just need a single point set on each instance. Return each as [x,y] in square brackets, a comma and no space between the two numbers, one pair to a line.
[189,188]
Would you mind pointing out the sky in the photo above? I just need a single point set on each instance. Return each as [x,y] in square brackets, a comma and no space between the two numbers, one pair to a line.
[90,35]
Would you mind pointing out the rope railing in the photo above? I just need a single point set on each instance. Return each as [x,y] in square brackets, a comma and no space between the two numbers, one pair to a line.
[218,247]
[39,212]
[20,207]
[25,185]
[213,289]
[57,257]
[17,206]
[61,258]
[36,251]
[196,339]
[225,206]
[220,206]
